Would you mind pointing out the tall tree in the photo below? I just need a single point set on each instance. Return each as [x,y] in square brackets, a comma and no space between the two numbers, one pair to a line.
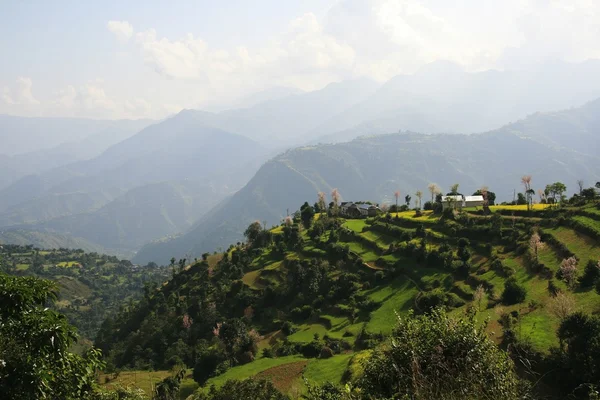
[419,195]
[454,189]
[307,214]
[396,195]
[580,185]
[526,181]
[322,202]
[407,199]
[335,198]
[433,189]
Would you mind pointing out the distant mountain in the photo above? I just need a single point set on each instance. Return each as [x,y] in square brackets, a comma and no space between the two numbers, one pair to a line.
[442,98]
[155,183]
[286,120]
[251,100]
[140,215]
[46,240]
[373,167]
[36,145]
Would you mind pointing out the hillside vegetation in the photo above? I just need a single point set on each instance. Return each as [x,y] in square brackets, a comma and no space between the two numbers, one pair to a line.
[91,286]
[314,300]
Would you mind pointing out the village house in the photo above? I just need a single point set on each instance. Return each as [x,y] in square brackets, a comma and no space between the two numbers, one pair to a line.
[356,210]
[459,201]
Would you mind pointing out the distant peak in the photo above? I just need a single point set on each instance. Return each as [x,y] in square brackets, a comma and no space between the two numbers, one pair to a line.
[441,67]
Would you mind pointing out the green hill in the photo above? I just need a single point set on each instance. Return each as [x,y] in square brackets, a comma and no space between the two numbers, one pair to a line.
[292,291]
[373,167]
[92,286]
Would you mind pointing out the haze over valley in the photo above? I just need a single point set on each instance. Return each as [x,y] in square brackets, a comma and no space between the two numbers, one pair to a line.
[322,200]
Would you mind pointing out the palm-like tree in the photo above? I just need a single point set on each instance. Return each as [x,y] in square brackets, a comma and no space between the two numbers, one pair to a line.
[419,195]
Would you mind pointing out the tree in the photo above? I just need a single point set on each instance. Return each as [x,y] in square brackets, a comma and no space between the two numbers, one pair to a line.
[407,199]
[419,195]
[561,305]
[568,271]
[322,202]
[335,198]
[396,195]
[253,231]
[488,197]
[591,273]
[434,189]
[526,181]
[35,343]
[454,189]
[580,185]
[536,244]
[434,356]
[579,335]
[513,292]
[307,213]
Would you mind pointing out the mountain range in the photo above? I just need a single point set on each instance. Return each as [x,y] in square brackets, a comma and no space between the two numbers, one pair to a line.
[165,179]
[557,146]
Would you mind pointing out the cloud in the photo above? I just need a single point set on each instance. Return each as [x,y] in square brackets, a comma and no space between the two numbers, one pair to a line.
[123,30]
[21,93]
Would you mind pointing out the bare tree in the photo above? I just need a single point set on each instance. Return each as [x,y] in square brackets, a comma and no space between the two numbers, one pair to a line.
[434,189]
[335,198]
[397,195]
[536,244]
[562,305]
[478,296]
[419,195]
[526,181]
[542,195]
[580,185]
[322,202]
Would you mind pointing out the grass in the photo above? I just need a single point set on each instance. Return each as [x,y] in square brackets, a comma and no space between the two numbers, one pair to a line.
[245,371]
[427,216]
[397,297]
[365,253]
[22,267]
[327,370]
[356,225]
[581,245]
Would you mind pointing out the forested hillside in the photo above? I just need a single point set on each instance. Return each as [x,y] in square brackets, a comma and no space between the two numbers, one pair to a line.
[374,166]
[316,298]
[92,286]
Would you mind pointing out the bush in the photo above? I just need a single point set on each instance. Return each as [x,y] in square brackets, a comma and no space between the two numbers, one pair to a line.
[513,292]
[591,273]
[287,328]
[242,390]
[326,352]
[434,356]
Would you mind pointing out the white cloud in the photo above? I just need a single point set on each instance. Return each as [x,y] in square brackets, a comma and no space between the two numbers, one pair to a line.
[21,93]
[123,30]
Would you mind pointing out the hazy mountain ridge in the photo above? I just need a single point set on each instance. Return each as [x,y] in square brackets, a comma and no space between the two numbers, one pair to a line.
[372,168]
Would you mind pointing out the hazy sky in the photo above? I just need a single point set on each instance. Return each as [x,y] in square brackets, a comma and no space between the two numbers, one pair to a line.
[130,59]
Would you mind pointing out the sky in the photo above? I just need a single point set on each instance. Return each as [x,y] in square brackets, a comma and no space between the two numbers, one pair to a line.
[150,59]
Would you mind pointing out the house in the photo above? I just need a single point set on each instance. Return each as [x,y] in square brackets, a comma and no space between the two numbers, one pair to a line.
[474,201]
[367,210]
[349,209]
[453,201]
[354,210]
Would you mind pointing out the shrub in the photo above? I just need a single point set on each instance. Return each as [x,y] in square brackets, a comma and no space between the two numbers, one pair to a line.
[242,390]
[326,352]
[513,292]
[591,273]
[434,356]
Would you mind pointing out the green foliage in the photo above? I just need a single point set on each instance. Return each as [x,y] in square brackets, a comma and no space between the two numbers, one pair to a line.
[513,292]
[435,356]
[591,273]
[242,390]
[34,345]
[307,214]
